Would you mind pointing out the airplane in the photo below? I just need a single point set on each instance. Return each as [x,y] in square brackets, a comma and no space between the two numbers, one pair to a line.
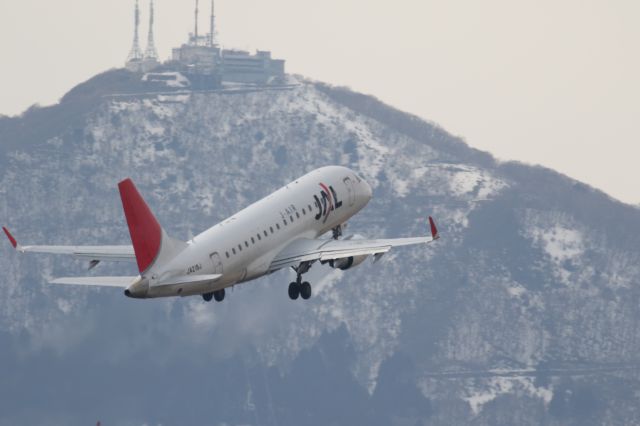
[288,228]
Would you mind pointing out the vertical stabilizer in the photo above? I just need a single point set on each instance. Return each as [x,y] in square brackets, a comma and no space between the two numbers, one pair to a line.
[150,243]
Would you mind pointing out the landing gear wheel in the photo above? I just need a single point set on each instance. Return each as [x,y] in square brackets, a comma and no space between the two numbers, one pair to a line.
[207,297]
[305,290]
[219,295]
[294,291]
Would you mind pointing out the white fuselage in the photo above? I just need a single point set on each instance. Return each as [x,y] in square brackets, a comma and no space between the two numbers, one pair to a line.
[242,247]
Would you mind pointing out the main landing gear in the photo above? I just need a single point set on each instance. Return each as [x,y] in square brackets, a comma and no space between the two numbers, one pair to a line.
[298,288]
[302,289]
[218,295]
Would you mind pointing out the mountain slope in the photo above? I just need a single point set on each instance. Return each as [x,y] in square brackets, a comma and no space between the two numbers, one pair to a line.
[524,312]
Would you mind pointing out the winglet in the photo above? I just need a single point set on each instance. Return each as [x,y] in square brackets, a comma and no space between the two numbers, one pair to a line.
[434,231]
[13,241]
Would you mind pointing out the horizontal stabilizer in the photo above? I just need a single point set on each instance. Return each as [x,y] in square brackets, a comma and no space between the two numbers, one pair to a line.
[90,253]
[122,282]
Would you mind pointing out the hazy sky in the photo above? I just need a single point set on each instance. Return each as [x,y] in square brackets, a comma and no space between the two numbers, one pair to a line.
[552,82]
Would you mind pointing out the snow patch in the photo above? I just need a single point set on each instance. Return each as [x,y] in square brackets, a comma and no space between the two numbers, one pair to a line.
[200,315]
[401,187]
[460,180]
[516,290]
[64,305]
[466,180]
[175,99]
[561,242]
[506,385]
[169,79]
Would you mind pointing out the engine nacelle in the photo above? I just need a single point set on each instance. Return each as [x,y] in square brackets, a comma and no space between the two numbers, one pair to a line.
[348,262]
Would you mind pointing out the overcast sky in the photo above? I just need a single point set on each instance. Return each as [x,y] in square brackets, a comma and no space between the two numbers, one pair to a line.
[551,82]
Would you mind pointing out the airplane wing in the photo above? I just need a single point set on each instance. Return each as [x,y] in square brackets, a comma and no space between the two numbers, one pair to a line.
[91,253]
[310,250]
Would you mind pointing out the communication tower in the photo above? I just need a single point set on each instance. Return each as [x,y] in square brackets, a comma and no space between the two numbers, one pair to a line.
[212,27]
[196,29]
[151,53]
[135,55]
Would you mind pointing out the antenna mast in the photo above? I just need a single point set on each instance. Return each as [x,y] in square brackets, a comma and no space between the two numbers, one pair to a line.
[136,53]
[212,34]
[151,52]
[196,30]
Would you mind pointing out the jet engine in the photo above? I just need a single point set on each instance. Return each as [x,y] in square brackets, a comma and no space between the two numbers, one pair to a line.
[348,262]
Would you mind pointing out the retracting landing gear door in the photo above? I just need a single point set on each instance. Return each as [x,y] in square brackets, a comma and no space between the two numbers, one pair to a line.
[350,191]
[217,262]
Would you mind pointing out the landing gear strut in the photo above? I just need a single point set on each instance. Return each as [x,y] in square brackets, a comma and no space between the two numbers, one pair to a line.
[336,232]
[298,287]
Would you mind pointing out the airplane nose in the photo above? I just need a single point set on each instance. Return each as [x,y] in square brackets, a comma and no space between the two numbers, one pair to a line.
[367,190]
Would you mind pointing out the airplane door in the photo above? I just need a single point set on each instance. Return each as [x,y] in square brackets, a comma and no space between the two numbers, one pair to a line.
[351,193]
[217,262]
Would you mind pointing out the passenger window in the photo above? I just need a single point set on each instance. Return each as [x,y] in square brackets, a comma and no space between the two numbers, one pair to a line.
[291,217]
[310,209]
[278,226]
[240,247]
[259,237]
[246,244]
[253,241]
[284,221]
[227,254]
[271,229]
[265,234]
[298,215]
[304,211]
[233,250]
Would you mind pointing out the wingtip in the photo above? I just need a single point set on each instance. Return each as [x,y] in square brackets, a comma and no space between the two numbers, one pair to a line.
[12,240]
[434,230]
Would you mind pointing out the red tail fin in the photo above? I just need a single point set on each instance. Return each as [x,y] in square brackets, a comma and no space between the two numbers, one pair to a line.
[145,231]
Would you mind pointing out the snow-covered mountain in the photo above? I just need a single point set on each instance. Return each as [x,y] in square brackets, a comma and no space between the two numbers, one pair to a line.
[525,312]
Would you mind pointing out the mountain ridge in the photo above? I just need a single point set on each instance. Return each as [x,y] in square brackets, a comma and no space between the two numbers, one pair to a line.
[534,270]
